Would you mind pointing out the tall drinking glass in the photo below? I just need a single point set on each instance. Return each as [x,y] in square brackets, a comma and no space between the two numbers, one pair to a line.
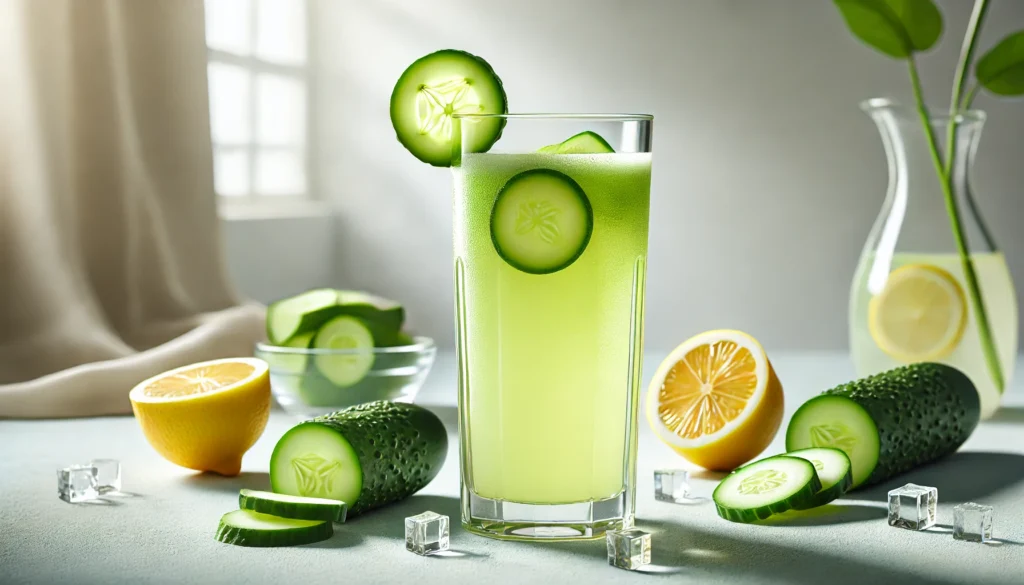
[550,266]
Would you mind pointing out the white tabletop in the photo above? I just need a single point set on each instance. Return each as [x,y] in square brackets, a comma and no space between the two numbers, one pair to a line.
[165,533]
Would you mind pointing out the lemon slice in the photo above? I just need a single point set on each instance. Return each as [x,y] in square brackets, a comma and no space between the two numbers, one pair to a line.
[205,416]
[716,399]
[920,314]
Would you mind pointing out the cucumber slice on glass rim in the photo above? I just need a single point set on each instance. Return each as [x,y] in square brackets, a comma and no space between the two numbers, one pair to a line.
[834,470]
[436,87]
[766,487]
[541,221]
[586,142]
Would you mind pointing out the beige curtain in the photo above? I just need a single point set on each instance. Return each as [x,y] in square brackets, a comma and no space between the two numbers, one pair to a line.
[111,267]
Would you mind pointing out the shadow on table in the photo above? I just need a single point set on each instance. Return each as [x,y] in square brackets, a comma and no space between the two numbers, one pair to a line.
[962,477]
[253,480]
[839,513]
[389,522]
[1008,415]
[709,555]
[947,529]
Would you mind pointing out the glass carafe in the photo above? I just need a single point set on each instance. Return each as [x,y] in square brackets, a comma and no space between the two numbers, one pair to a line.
[909,301]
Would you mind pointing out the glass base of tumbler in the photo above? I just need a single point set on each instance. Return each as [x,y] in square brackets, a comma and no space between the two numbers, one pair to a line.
[506,520]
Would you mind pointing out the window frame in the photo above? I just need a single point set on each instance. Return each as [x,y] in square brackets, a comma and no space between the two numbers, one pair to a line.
[245,204]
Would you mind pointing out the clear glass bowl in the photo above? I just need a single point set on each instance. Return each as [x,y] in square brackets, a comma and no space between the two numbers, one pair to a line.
[396,374]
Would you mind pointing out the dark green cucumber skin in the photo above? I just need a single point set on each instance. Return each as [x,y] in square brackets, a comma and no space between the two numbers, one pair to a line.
[401,448]
[455,140]
[273,538]
[384,323]
[923,412]
[290,510]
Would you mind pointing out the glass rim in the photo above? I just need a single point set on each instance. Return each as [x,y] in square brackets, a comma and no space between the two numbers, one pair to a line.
[556,116]
[421,343]
[935,115]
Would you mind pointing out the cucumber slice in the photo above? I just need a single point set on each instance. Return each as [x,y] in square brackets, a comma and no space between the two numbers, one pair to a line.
[541,221]
[435,87]
[291,362]
[586,142]
[248,528]
[296,507]
[306,312]
[890,422]
[346,333]
[769,486]
[386,315]
[834,470]
[368,455]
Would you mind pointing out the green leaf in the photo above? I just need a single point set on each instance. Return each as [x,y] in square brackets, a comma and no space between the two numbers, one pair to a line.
[1001,70]
[897,28]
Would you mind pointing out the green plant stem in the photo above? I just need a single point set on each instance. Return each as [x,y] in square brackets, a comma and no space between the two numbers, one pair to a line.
[966,56]
[969,97]
[973,290]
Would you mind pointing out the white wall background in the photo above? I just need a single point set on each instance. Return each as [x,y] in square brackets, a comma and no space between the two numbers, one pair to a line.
[767,176]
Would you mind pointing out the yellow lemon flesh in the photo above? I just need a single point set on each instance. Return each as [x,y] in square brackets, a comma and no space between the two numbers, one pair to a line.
[716,400]
[920,314]
[205,416]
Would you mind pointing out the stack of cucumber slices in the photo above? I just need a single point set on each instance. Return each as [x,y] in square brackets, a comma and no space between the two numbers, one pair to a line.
[268,519]
[328,319]
[856,434]
[346,462]
[798,480]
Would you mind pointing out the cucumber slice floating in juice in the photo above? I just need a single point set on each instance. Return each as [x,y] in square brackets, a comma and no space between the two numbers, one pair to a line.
[766,487]
[834,470]
[302,313]
[297,507]
[434,88]
[248,528]
[344,333]
[541,221]
[583,143]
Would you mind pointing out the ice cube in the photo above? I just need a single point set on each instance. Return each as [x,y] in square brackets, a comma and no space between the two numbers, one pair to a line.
[671,485]
[426,533]
[913,507]
[77,483]
[108,475]
[972,522]
[628,549]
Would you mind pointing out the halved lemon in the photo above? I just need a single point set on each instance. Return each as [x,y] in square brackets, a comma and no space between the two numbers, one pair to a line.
[205,416]
[716,400]
[920,314]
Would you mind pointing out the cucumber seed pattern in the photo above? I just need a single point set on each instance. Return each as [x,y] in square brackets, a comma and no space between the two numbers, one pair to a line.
[435,105]
[836,435]
[315,475]
[539,216]
[762,482]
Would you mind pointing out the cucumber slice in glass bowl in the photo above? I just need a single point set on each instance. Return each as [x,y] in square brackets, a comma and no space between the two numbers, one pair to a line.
[436,87]
[541,221]
[834,470]
[349,334]
[766,487]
